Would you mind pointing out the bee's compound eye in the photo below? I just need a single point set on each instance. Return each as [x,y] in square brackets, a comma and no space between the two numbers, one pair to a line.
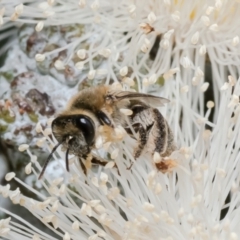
[86,125]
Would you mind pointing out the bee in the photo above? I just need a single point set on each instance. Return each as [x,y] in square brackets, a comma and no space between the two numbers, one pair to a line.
[76,127]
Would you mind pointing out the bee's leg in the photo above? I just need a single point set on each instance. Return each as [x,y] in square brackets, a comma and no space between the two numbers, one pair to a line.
[142,141]
[159,132]
[171,146]
[129,132]
[99,162]
[103,163]
[83,166]
[165,145]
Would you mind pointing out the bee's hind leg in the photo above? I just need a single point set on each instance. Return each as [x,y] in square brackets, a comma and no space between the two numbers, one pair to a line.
[142,141]
[163,137]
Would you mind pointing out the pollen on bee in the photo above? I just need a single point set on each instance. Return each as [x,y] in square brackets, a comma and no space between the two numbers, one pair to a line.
[88,163]
[99,142]
[166,166]
[119,132]
[106,133]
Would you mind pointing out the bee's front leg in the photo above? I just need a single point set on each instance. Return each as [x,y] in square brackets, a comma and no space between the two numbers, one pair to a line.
[83,166]
[103,163]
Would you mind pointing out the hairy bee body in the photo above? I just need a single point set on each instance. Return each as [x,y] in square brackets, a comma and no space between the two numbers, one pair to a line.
[76,128]
[154,131]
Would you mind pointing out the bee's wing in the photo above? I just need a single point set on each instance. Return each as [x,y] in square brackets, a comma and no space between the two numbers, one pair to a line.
[153,101]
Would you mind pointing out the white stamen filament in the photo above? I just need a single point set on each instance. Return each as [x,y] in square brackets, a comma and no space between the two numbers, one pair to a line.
[182,51]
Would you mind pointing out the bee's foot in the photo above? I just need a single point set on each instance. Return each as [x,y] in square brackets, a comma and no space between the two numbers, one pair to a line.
[129,168]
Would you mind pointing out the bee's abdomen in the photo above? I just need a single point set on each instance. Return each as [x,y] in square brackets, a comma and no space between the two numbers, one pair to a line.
[145,117]
[164,140]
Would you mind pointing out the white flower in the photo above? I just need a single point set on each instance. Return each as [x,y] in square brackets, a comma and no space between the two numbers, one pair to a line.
[197,41]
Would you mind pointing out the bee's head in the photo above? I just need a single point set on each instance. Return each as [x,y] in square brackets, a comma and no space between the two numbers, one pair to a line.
[75,132]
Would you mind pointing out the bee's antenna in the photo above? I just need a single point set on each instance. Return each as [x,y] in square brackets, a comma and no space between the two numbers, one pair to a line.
[48,159]
[67,162]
